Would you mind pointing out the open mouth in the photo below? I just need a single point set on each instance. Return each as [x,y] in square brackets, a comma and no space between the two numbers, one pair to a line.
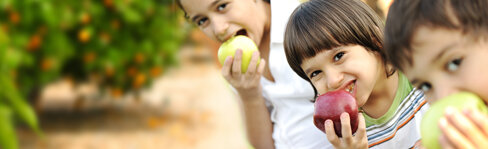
[351,88]
[241,32]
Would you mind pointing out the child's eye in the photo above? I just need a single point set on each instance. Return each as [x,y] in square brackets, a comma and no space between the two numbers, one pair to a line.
[338,56]
[315,73]
[201,21]
[453,65]
[425,87]
[222,7]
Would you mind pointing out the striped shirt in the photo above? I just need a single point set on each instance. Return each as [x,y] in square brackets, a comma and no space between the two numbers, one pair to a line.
[402,128]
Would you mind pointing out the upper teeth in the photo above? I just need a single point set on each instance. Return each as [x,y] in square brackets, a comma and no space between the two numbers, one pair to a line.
[349,88]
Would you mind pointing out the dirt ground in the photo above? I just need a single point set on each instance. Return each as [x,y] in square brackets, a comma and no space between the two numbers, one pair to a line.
[190,106]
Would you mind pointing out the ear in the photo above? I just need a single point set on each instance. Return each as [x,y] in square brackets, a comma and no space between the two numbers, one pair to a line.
[389,69]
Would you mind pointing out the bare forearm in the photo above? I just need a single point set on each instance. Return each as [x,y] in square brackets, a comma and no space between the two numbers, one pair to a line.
[258,123]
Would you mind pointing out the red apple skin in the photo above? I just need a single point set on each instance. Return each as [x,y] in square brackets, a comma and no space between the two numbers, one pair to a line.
[331,105]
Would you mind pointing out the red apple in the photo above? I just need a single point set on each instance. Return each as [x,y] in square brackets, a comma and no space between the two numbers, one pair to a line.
[331,105]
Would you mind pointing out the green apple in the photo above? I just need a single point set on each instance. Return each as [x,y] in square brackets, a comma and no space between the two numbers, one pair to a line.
[429,129]
[229,47]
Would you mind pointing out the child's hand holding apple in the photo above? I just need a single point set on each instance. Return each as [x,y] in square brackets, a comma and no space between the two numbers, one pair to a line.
[242,66]
[336,114]
[446,126]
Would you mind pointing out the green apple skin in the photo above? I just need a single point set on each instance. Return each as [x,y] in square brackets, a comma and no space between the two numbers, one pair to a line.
[229,47]
[429,128]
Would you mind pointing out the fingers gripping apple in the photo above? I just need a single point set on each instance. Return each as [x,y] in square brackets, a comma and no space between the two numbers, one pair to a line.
[229,47]
[331,105]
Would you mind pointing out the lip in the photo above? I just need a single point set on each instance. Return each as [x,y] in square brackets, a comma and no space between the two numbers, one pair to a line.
[226,38]
[235,33]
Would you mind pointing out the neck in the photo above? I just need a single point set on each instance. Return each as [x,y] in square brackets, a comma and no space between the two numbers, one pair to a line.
[264,45]
[265,38]
[383,94]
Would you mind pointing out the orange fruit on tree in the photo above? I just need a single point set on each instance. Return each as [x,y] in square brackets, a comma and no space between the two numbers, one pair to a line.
[156,71]
[14,17]
[85,18]
[108,3]
[84,35]
[34,42]
[139,80]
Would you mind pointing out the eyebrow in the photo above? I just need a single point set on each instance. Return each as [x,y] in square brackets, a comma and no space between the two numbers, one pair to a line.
[437,57]
[443,51]
[308,71]
[194,18]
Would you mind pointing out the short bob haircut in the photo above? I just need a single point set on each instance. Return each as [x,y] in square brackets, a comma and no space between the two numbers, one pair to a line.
[319,25]
[406,16]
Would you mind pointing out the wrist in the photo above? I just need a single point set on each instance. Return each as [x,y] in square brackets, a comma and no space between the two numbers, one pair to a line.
[250,94]
[252,100]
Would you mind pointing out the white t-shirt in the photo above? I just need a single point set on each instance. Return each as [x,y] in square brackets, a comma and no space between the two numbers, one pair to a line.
[289,95]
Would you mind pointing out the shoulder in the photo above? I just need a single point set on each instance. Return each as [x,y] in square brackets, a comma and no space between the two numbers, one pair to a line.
[416,97]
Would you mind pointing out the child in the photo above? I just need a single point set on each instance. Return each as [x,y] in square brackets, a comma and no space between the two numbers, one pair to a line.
[337,45]
[442,46]
[289,123]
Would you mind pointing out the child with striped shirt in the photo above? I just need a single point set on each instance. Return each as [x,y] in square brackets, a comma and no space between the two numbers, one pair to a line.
[337,45]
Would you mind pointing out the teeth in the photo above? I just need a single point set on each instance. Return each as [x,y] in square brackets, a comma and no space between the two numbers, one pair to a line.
[349,88]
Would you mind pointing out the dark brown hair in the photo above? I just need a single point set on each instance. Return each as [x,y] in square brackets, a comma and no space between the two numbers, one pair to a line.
[405,16]
[319,25]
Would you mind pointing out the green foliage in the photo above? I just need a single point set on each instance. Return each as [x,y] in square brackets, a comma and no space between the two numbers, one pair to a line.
[124,43]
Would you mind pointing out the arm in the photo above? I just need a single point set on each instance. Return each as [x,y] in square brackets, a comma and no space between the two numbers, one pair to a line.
[248,86]
[258,123]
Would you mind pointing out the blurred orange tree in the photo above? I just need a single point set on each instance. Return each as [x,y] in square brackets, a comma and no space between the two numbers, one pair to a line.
[124,43]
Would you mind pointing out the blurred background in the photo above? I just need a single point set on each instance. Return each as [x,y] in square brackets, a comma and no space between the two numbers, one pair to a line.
[113,74]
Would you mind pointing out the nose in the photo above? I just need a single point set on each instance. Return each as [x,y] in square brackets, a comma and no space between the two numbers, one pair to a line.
[220,27]
[334,79]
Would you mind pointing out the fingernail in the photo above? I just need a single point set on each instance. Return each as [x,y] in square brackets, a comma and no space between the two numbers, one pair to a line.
[328,122]
[450,111]
[443,122]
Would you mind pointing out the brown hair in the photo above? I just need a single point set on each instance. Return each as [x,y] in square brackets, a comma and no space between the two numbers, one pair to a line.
[405,16]
[319,25]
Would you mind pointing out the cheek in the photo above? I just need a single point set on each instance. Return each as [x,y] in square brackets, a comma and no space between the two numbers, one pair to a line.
[481,88]
[209,33]
[320,86]
[475,72]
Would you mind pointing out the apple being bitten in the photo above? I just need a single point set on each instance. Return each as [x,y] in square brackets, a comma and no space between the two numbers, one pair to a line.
[429,128]
[229,47]
[331,105]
